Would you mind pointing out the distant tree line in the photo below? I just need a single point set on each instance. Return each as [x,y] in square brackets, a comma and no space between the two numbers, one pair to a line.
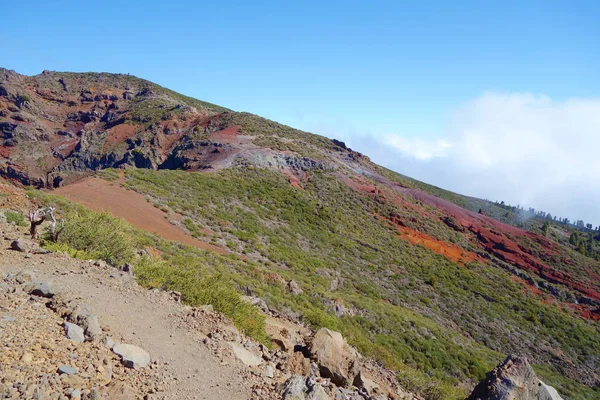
[583,238]
[525,214]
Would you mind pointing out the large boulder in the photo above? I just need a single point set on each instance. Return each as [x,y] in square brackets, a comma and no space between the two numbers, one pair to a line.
[513,379]
[40,288]
[335,358]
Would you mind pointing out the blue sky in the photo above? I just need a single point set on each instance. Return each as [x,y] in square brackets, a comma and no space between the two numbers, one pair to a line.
[361,71]
[378,66]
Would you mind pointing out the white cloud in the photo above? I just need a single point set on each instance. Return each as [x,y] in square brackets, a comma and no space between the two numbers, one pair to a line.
[518,147]
[422,150]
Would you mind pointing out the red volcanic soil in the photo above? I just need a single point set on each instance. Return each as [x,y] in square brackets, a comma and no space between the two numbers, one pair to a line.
[493,236]
[4,151]
[227,135]
[594,315]
[102,195]
[450,251]
[360,184]
[119,133]
[232,130]
[294,179]
[506,242]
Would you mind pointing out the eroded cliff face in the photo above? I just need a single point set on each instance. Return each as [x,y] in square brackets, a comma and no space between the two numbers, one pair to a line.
[56,123]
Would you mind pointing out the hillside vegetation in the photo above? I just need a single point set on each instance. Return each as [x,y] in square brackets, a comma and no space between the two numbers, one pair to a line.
[435,285]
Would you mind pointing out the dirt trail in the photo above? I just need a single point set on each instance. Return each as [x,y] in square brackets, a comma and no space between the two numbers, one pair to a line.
[101,195]
[149,319]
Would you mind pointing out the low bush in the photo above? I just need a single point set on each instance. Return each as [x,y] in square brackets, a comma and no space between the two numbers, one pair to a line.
[16,217]
[100,235]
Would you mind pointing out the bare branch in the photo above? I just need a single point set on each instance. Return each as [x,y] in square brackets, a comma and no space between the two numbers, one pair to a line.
[53,231]
[36,217]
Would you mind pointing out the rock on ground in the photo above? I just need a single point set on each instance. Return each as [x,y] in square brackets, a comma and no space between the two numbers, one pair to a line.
[513,379]
[335,359]
[132,356]
[245,356]
[74,332]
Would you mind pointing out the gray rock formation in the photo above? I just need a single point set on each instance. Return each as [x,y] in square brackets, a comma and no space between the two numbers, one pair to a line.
[513,379]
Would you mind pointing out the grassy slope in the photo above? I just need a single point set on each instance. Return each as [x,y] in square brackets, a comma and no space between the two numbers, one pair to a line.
[403,316]
[414,310]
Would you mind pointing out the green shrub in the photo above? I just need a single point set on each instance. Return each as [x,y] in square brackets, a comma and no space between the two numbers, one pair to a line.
[100,235]
[16,217]
[80,254]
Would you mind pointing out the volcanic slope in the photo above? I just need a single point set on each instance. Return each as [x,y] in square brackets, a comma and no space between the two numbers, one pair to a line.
[411,274]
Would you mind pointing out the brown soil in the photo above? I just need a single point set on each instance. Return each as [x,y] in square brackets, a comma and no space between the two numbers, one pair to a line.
[119,133]
[102,195]
[186,368]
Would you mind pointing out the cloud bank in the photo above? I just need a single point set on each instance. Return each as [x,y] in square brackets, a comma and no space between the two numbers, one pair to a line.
[518,147]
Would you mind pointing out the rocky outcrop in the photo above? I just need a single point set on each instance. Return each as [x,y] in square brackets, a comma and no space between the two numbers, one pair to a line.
[336,360]
[302,388]
[513,379]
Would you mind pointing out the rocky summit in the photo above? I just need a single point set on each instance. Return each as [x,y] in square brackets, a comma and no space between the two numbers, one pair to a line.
[159,246]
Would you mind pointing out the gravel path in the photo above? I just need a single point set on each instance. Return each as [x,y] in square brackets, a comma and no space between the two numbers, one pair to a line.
[149,319]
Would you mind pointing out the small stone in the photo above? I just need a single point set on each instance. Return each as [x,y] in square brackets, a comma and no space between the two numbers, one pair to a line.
[76,394]
[25,276]
[294,288]
[127,268]
[68,370]
[27,358]
[245,356]
[91,324]
[269,371]
[74,332]
[94,394]
[42,289]
[207,308]
[132,356]
[108,342]
[18,245]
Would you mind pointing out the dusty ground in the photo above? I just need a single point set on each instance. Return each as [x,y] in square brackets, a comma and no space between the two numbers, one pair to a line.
[101,195]
[188,369]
